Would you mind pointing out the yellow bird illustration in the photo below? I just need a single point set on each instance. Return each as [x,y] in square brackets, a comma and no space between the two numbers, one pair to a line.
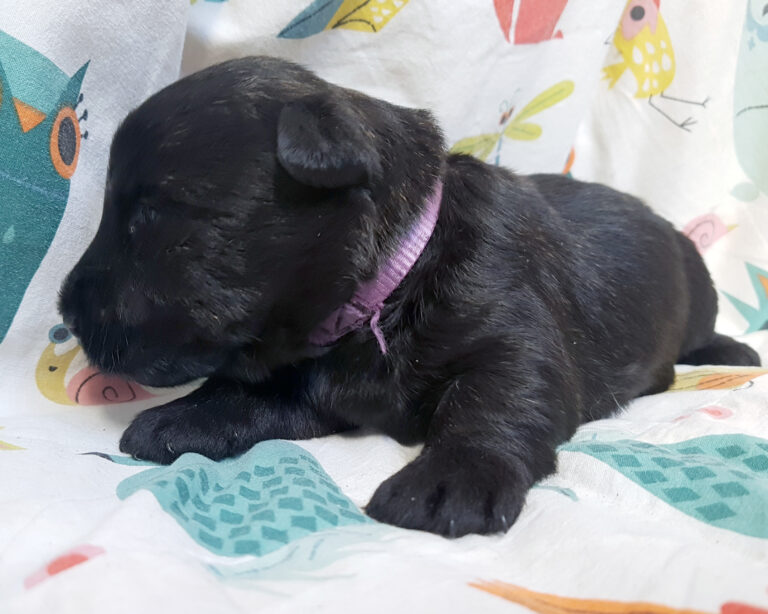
[646,51]
[61,382]
[53,365]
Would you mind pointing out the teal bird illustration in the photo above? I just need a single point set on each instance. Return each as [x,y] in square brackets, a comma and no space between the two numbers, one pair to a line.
[751,100]
[40,140]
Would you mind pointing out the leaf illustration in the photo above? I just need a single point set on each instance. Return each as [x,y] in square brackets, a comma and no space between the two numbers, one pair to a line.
[554,604]
[504,10]
[719,378]
[522,132]
[366,15]
[549,97]
[4,445]
[479,146]
[312,19]
[254,504]
[715,479]
[361,15]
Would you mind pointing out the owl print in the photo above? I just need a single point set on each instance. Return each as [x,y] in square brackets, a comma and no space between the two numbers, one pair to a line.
[751,96]
[40,139]
[643,41]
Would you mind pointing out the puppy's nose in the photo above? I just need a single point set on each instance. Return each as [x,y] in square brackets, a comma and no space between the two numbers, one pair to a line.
[80,302]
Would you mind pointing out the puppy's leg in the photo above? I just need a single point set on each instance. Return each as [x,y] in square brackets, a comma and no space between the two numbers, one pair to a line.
[722,350]
[492,437]
[662,380]
[224,418]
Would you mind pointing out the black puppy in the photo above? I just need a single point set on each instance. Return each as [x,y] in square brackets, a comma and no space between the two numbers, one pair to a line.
[255,219]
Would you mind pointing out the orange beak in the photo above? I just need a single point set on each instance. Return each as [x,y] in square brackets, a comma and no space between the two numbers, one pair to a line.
[29,116]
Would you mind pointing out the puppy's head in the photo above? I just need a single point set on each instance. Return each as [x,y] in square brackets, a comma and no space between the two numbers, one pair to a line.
[243,204]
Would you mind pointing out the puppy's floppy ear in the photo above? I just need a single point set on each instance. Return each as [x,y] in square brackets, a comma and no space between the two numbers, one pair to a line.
[322,142]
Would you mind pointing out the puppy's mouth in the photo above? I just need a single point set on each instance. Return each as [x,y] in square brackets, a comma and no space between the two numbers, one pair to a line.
[147,370]
[156,377]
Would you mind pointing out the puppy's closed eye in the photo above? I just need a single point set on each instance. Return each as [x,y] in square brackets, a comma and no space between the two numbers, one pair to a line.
[144,216]
[182,246]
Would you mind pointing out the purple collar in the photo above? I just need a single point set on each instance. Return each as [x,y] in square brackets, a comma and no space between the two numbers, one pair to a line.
[366,303]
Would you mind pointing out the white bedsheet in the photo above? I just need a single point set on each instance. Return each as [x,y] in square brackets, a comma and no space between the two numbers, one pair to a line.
[663,504]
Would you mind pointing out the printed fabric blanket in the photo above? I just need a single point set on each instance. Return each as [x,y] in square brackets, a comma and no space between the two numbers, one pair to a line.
[662,508]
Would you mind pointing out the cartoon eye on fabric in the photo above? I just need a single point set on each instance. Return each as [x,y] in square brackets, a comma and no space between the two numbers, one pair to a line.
[65,142]
[59,334]
[637,13]
[63,343]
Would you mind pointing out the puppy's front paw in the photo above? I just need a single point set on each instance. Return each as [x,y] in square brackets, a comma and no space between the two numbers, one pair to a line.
[451,492]
[164,433]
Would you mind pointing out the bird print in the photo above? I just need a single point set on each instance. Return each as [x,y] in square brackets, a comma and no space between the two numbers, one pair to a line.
[64,377]
[751,98]
[40,140]
[643,41]
[706,230]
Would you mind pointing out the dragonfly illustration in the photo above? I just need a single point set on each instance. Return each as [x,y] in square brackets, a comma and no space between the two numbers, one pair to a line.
[514,126]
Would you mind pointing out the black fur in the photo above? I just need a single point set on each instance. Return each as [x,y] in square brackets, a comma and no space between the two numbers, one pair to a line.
[246,202]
